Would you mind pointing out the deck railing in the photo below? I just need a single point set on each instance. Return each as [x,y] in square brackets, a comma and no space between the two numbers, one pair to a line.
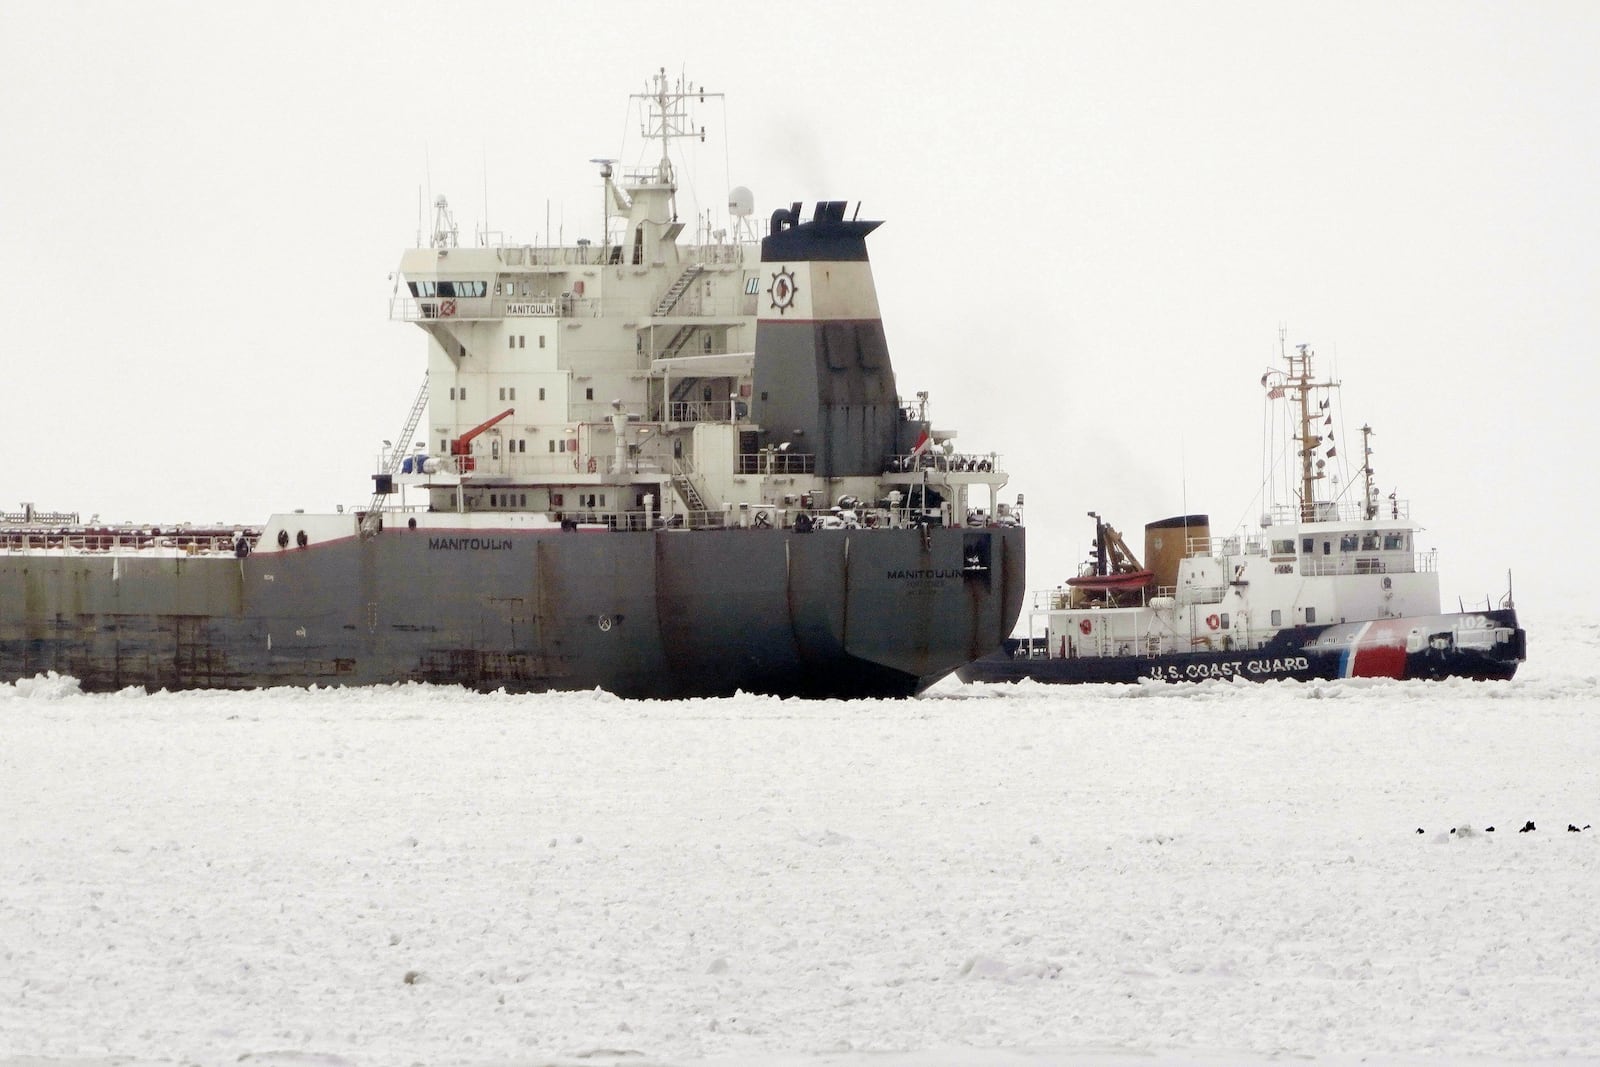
[125,539]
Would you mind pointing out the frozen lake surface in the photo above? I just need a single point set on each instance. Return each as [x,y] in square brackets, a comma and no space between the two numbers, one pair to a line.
[1000,877]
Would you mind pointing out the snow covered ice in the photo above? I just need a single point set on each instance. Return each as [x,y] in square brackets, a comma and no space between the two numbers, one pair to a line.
[994,876]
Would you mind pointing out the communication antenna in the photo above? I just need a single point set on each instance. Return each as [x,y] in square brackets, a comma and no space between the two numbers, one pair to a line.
[742,205]
[667,119]
[609,195]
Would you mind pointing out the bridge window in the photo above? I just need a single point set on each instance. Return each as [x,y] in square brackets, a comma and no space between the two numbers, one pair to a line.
[1284,547]
[1395,541]
[452,288]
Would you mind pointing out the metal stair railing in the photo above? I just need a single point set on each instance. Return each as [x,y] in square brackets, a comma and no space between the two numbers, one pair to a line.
[679,339]
[683,482]
[678,288]
[369,524]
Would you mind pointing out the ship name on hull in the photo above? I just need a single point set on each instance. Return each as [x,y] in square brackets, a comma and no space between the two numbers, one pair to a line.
[925,574]
[1261,668]
[468,544]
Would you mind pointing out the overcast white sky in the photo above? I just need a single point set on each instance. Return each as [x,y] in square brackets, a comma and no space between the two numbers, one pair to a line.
[1097,218]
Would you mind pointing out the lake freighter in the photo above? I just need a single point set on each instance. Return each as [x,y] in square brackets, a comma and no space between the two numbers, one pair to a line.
[662,468]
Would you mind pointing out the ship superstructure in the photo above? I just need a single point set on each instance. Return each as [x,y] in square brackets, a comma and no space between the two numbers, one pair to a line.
[1332,585]
[661,463]
[644,380]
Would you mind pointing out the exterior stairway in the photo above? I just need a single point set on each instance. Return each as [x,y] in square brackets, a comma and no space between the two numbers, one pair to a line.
[402,449]
[679,287]
[683,482]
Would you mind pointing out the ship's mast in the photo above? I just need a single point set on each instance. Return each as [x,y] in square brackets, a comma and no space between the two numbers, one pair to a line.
[1299,380]
[1371,504]
[667,118]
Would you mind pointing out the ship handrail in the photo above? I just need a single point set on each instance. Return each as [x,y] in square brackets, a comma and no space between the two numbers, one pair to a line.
[89,540]
[1371,563]
[490,308]
[407,308]
[700,411]
[1386,510]
[770,461]
[1220,546]
[589,255]
[955,462]
[757,516]
[29,514]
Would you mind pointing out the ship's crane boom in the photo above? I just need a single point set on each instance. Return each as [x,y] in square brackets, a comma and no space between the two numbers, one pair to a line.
[461,447]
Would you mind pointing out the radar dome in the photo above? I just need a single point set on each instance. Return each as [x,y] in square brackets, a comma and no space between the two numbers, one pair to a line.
[741,202]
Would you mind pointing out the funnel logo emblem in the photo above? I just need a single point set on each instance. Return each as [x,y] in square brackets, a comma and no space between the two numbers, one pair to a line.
[782,290]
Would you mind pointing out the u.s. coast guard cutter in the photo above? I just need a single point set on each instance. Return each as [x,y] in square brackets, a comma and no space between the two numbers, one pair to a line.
[1332,586]
[660,467]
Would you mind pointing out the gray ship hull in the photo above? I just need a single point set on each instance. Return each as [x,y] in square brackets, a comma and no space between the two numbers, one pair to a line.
[846,613]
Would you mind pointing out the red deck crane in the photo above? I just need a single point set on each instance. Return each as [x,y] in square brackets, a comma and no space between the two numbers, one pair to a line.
[461,447]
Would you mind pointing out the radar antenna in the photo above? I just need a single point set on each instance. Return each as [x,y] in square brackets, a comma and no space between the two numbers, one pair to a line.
[444,224]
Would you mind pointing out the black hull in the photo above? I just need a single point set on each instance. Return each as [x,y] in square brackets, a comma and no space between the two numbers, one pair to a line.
[1308,653]
[666,614]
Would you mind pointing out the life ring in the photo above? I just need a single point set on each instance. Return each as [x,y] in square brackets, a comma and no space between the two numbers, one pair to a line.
[447,308]
[1213,622]
[591,464]
[1084,626]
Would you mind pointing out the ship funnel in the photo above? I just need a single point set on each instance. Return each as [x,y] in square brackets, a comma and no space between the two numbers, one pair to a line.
[822,367]
[1167,542]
